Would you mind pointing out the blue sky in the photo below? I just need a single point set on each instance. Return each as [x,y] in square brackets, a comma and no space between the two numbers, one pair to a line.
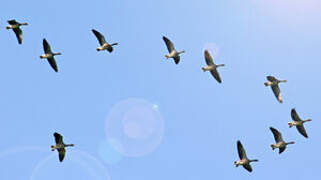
[134,115]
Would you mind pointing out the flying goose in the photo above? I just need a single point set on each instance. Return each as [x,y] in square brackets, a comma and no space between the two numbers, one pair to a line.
[49,55]
[274,83]
[15,26]
[60,146]
[244,161]
[279,141]
[103,43]
[211,66]
[298,123]
[172,51]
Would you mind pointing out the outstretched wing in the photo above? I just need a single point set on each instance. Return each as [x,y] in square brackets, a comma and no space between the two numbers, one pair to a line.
[248,167]
[169,45]
[99,37]
[18,33]
[277,135]
[61,153]
[271,78]
[208,58]
[282,149]
[12,22]
[110,49]
[58,138]
[302,131]
[241,150]
[294,115]
[46,46]
[53,64]
[277,92]
[216,75]
[177,59]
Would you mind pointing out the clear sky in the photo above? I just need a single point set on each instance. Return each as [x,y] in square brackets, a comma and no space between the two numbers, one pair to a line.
[134,115]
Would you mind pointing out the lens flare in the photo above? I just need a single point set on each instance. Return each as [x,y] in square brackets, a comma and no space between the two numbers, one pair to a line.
[137,125]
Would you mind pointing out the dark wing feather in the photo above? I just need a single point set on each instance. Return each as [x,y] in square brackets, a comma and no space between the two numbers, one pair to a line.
[216,75]
[53,64]
[248,167]
[18,33]
[294,115]
[110,49]
[58,138]
[46,46]
[241,150]
[61,153]
[302,131]
[271,78]
[282,149]
[277,92]
[99,37]
[12,22]
[208,58]
[177,59]
[169,45]
[277,135]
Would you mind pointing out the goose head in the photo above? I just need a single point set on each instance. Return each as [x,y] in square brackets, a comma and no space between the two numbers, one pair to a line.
[283,81]
[307,120]
[180,52]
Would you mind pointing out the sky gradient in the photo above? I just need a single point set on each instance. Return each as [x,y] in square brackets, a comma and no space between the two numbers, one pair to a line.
[134,115]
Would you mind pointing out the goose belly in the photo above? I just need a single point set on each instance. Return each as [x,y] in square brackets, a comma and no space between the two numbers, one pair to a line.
[208,68]
[46,56]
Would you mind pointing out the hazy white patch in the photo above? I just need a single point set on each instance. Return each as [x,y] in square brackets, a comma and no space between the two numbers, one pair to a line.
[212,49]
[137,125]
[78,159]
[155,106]
[107,152]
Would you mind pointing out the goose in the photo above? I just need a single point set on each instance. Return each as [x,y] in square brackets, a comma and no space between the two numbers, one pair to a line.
[49,55]
[244,161]
[103,43]
[274,83]
[211,66]
[15,26]
[60,146]
[298,123]
[172,51]
[279,141]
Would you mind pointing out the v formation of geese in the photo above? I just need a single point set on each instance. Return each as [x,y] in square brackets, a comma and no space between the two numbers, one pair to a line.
[175,55]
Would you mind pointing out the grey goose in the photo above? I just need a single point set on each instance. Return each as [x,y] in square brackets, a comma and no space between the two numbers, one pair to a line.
[60,146]
[49,55]
[172,53]
[298,123]
[244,161]
[211,66]
[280,143]
[15,26]
[274,83]
[103,43]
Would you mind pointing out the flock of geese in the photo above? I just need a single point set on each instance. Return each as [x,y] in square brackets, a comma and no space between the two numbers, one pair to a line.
[175,55]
